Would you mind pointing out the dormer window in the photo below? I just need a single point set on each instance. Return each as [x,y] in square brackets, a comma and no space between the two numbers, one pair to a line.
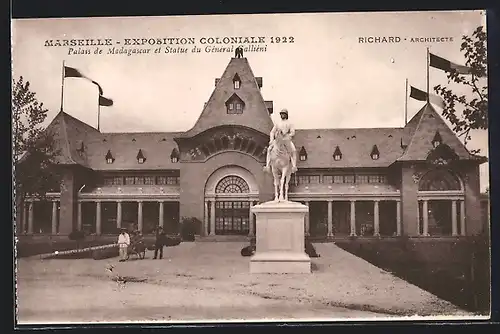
[302,154]
[109,158]
[235,105]
[236,81]
[174,156]
[81,149]
[337,155]
[140,157]
[437,140]
[375,154]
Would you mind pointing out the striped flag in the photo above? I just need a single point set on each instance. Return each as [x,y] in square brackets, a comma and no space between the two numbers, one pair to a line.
[420,95]
[71,72]
[447,66]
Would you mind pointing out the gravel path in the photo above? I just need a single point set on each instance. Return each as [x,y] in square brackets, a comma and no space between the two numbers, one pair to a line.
[211,281]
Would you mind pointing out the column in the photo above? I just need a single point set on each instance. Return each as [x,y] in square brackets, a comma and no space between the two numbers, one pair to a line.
[398,218]
[353,218]
[118,214]
[462,218]
[30,217]
[98,218]
[418,218]
[139,216]
[454,227]
[54,217]
[212,217]
[306,220]
[376,219]
[25,217]
[251,230]
[206,219]
[161,214]
[79,218]
[425,212]
[330,219]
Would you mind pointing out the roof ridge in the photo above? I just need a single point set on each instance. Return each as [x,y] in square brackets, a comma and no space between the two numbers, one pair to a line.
[65,135]
[417,127]
[79,121]
[258,89]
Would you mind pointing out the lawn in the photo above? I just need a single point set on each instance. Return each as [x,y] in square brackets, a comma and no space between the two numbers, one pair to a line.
[199,281]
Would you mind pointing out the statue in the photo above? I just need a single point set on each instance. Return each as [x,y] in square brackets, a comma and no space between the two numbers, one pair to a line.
[238,53]
[281,156]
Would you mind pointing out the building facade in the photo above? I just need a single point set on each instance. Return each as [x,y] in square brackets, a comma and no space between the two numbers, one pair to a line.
[417,180]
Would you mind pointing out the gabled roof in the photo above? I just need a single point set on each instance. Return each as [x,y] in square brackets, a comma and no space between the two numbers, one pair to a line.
[214,113]
[155,146]
[69,134]
[355,144]
[423,128]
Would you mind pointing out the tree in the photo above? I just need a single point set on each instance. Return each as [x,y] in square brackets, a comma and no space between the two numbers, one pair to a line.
[467,113]
[33,146]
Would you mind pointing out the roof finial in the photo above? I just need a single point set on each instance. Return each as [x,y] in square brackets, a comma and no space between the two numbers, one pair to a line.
[238,53]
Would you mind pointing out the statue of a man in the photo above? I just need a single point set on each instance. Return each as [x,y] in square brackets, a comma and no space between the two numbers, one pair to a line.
[287,130]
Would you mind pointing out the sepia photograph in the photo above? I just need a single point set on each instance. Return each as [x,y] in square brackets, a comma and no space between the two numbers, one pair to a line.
[251,167]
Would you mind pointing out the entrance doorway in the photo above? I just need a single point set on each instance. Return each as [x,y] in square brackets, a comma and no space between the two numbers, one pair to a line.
[232,217]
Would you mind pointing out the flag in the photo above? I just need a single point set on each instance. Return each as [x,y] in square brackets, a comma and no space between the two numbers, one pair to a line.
[446,65]
[420,95]
[70,72]
[104,101]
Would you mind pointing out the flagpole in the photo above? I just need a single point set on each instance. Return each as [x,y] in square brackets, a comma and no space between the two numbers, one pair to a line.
[406,102]
[62,87]
[98,112]
[427,74]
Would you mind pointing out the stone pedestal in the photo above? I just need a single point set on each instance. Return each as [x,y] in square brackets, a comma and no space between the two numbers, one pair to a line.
[280,239]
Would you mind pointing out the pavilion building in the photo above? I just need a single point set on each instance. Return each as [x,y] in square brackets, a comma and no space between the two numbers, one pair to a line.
[416,180]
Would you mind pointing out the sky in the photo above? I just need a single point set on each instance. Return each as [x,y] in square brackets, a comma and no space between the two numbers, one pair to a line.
[326,78]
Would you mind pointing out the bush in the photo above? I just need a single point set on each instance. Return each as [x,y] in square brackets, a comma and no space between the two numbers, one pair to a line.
[189,227]
[310,250]
[77,236]
[248,250]
[106,253]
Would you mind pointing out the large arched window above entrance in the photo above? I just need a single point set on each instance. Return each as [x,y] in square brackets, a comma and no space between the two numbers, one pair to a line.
[439,180]
[232,184]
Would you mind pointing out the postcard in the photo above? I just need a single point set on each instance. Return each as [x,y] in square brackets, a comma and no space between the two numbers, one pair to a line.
[263,167]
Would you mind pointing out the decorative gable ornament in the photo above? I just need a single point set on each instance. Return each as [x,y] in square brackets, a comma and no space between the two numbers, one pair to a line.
[442,155]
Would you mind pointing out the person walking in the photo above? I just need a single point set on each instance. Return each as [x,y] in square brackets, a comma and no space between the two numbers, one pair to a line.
[123,243]
[159,242]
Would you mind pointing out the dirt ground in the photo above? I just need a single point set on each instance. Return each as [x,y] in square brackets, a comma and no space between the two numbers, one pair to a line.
[211,281]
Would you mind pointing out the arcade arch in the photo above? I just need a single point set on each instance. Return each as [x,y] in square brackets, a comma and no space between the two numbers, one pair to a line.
[441,203]
[229,193]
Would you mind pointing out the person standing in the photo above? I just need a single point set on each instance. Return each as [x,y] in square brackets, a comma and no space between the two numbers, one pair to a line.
[159,242]
[123,243]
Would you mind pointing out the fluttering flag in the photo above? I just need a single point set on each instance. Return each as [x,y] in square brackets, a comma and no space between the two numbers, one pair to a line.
[446,65]
[104,101]
[70,72]
[420,95]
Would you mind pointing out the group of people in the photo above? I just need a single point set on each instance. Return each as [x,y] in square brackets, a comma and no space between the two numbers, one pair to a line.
[125,241]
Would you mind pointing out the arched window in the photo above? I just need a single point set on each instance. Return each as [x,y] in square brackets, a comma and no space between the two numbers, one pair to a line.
[232,184]
[439,180]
